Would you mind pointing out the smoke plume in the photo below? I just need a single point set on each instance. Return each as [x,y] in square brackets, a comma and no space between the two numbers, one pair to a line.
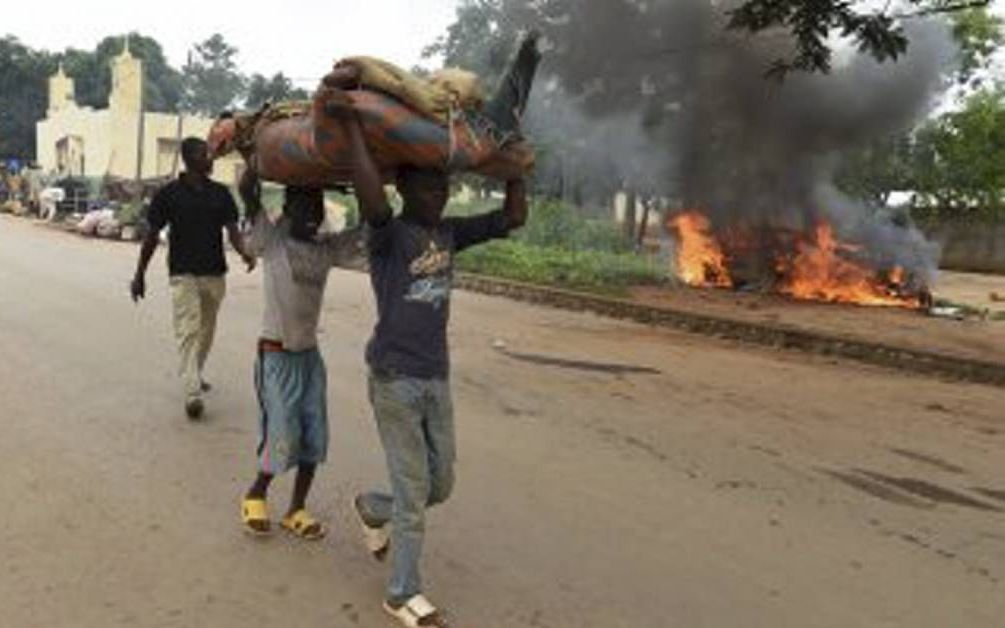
[672,101]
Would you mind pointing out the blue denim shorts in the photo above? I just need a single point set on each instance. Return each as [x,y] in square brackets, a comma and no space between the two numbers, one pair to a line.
[292,397]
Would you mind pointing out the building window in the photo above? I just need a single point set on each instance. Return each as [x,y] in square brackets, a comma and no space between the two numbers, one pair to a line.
[70,156]
[168,157]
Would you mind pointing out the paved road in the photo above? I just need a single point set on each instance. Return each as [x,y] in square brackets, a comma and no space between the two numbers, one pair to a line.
[735,487]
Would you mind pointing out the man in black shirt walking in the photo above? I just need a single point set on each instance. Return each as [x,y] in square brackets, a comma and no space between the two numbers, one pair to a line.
[196,209]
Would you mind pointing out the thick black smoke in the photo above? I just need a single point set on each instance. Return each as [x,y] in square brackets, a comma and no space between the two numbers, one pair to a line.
[685,105]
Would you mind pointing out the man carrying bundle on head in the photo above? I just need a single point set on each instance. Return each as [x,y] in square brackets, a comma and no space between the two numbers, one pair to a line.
[290,375]
[411,270]
[442,123]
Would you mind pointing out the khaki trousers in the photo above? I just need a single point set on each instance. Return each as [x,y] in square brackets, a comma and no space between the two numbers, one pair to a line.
[196,301]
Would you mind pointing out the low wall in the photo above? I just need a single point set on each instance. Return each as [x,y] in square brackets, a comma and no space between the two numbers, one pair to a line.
[970,247]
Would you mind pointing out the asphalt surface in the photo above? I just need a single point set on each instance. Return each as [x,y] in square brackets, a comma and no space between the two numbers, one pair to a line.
[610,474]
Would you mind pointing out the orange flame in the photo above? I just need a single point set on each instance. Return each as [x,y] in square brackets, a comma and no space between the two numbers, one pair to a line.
[700,260]
[818,272]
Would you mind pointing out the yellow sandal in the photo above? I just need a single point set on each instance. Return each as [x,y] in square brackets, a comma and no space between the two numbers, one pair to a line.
[302,524]
[255,511]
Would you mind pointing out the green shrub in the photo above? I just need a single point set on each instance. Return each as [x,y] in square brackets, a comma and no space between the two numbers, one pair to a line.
[555,224]
[129,213]
[601,271]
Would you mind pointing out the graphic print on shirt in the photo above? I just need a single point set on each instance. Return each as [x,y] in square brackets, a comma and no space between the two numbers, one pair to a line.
[430,277]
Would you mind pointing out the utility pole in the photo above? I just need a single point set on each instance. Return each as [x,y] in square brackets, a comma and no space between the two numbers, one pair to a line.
[140,123]
[182,108]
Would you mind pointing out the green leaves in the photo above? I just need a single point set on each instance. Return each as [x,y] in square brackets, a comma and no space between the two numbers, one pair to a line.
[979,34]
[24,75]
[954,164]
[811,23]
[23,95]
[211,78]
[965,153]
[873,31]
[481,40]
[561,247]
[589,270]
[276,89]
[876,170]
[92,75]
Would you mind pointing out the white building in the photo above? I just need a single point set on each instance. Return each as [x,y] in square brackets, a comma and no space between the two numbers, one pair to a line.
[121,140]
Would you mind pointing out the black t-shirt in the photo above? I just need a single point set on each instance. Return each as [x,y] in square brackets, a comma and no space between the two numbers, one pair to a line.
[196,215]
[411,269]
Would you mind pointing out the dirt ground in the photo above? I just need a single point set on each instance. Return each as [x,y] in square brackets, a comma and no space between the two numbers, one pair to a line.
[976,337]
[984,292]
[610,474]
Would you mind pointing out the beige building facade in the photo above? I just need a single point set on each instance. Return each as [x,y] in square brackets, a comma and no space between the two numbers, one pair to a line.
[122,140]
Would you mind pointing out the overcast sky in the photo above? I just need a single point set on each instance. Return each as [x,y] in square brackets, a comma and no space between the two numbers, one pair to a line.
[300,38]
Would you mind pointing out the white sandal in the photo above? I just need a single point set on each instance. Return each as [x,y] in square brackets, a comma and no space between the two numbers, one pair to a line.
[377,539]
[416,611]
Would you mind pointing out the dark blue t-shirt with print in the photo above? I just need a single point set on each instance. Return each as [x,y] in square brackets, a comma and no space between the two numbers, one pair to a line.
[411,270]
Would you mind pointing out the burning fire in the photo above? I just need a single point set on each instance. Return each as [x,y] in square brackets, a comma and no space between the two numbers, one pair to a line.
[819,272]
[700,260]
[819,268]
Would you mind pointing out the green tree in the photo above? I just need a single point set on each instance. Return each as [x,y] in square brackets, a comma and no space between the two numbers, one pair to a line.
[24,75]
[918,160]
[960,157]
[979,35]
[92,74]
[211,79]
[933,193]
[276,89]
[878,169]
[23,96]
[481,39]
[877,32]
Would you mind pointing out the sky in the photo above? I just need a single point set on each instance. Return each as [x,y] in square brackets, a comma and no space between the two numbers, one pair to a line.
[300,38]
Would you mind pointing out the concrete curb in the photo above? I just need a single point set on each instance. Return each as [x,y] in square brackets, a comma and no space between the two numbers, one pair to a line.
[777,336]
